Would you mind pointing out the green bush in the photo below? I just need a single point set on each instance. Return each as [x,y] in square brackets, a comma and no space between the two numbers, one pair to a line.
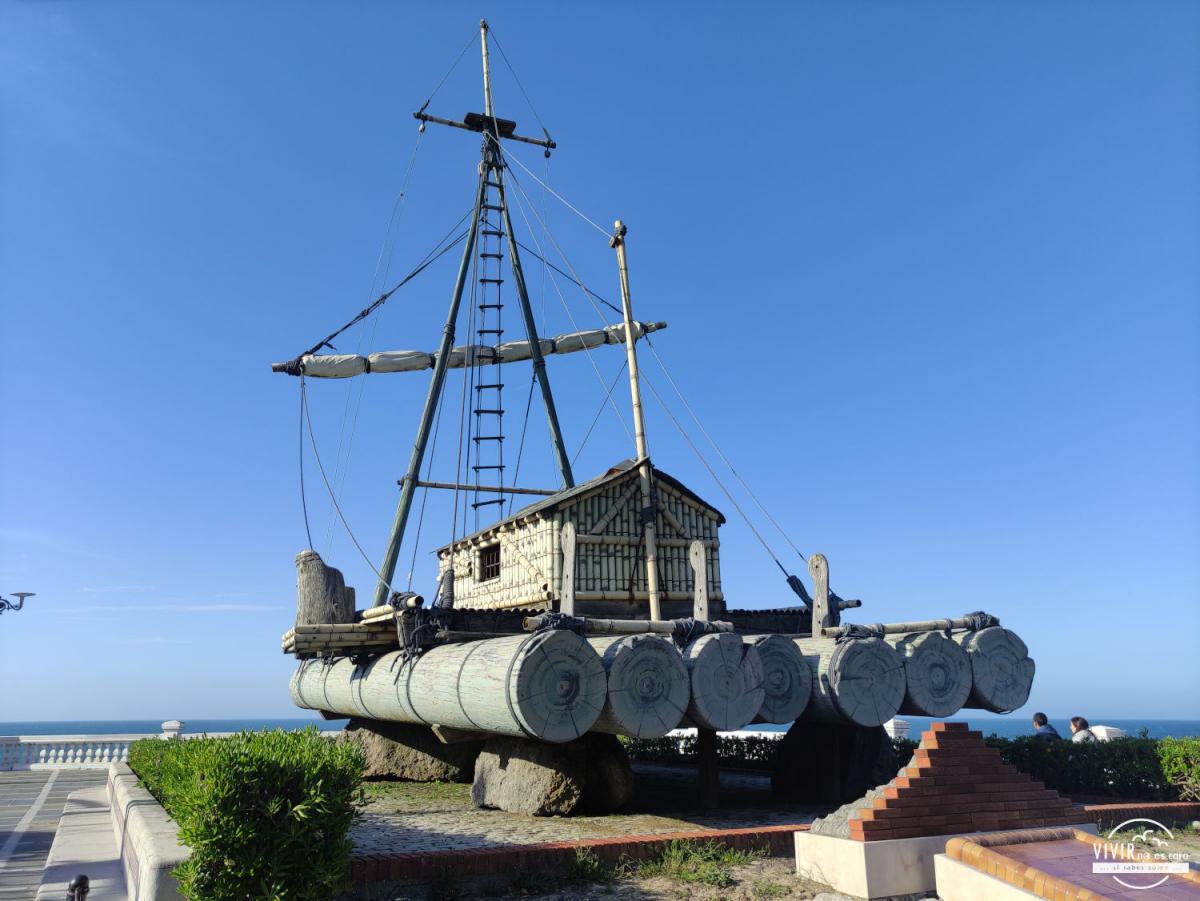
[1141,768]
[266,814]
[1180,760]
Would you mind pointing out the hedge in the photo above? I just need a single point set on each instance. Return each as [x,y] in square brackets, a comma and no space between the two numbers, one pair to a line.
[1145,769]
[266,814]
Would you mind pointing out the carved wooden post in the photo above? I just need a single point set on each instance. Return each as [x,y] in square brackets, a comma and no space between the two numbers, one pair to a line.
[567,592]
[697,559]
[321,593]
[822,616]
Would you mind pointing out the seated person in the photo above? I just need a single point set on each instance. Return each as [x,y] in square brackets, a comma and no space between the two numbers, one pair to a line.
[1080,730]
[1043,729]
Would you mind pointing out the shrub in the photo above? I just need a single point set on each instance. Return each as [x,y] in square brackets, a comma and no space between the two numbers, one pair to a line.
[266,814]
[1180,760]
[1122,768]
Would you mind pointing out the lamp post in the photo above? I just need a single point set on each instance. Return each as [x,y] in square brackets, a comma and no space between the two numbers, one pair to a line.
[6,604]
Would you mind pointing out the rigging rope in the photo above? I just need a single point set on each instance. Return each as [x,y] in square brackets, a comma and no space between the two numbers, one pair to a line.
[562,299]
[599,411]
[696,419]
[303,496]
[341,465]
[517,79]
[383,298]
[612,306]
[560,198]
[332,497]
[713,473]
[471,40]
[521,447]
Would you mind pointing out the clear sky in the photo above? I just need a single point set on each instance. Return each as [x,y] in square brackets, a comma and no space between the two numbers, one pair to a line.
[930,271]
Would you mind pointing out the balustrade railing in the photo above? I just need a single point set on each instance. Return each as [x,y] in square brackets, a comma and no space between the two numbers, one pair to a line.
[43,752]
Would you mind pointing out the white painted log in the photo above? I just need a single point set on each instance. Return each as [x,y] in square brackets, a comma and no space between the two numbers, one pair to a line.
[726,681]
[1001,669]
[321,595]
[648,688]
[937,673]
[549,686]
[787,680]
[859,681]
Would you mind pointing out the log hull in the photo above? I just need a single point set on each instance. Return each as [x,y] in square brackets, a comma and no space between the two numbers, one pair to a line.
[726,677]
[858,681]
[1001,669]
[647,685]
[937,673]
[549,686]
[787,679]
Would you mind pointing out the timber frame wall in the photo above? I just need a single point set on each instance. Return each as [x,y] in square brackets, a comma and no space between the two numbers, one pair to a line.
[610,556]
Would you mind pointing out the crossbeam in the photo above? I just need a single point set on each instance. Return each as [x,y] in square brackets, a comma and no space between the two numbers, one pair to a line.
[493,489]
[502,128]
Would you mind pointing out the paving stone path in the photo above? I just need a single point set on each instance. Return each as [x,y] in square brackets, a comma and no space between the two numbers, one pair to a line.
[30,806]
[402,817]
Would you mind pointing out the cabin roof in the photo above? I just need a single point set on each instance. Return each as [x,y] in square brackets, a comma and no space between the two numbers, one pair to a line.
[554,501]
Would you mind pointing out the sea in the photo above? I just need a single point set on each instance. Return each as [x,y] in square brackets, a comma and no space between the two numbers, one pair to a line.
[1004,726]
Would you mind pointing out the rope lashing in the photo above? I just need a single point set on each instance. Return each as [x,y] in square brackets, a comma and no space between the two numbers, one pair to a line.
[980,620]
[688,630]
[561,622]
[852,632]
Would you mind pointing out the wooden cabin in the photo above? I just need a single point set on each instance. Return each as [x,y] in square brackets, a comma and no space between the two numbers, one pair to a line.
[517,563]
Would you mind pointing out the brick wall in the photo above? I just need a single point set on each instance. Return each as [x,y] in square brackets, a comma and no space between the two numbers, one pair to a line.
[954,784]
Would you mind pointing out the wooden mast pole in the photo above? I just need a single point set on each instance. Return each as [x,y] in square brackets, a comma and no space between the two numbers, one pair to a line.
[487,71]
[408,485]
[645,472]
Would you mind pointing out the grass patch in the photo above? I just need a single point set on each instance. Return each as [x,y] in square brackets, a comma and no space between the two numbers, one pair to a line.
[684,861]
[418,792]
[584,869]
[764,888]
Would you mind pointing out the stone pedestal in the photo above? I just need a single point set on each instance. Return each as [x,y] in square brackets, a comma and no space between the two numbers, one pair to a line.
[411,753]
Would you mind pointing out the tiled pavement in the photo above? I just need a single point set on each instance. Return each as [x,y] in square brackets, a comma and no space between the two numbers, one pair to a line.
[30,805]
[407,821]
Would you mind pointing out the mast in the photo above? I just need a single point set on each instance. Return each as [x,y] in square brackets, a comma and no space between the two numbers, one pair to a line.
[412,474]
[490,166]
[649,512]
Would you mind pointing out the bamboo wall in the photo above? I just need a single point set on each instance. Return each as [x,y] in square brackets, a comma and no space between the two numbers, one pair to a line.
[610,558]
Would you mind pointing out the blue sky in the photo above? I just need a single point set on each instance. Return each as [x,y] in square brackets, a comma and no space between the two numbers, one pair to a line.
[930,271]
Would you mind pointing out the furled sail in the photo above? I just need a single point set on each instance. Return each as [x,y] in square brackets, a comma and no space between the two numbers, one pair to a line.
[341,366]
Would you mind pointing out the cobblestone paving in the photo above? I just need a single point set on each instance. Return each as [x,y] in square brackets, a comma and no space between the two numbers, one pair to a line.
[24,807]
[403,817]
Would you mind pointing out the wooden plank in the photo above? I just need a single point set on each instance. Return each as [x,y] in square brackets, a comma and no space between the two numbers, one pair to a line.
[698,561]
[566,601]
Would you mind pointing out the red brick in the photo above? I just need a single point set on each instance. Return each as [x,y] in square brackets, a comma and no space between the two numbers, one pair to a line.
[949,727]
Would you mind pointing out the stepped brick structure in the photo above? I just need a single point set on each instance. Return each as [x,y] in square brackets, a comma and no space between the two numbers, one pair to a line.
[956,784]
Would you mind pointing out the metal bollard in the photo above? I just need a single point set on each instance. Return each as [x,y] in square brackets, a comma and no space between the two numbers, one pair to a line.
[78,888]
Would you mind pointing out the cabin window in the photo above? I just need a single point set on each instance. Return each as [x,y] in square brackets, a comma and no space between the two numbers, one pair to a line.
[489,563]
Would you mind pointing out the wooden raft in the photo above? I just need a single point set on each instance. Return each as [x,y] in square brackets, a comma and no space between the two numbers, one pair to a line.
[340,639]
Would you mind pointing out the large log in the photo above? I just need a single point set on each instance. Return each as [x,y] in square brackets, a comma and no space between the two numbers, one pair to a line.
[937,673]
[858,681]
[549,686]
[787,680]
[647,685]
[726,682]
[1001,669]
[321,593]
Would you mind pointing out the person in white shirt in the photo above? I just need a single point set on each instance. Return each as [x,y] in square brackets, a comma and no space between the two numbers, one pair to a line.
[1080,730]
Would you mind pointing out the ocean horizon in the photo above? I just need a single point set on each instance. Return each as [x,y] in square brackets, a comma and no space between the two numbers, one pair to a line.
[1004,726]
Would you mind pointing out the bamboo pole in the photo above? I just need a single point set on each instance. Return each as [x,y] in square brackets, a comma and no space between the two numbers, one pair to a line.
[645,472]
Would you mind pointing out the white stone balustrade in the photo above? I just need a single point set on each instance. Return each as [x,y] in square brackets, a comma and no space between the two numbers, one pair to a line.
[83,752]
